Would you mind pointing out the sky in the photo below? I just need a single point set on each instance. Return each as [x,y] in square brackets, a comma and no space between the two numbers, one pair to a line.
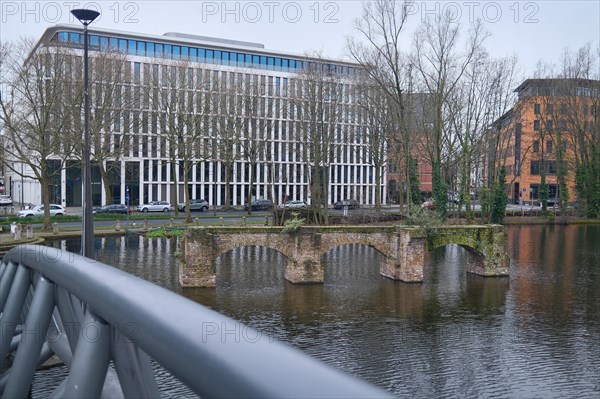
[533,30]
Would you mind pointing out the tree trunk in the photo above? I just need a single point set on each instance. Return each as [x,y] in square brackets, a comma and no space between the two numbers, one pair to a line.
[46,199]
[186,185]
[378,188]
[174,188]
[251,184]
[107,189]
[228,170]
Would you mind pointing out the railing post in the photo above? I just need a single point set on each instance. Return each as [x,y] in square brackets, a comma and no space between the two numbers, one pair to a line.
[26,359]
[55,228]
[5,283]
[118,225]
[90,361]
[12,309]
[145,224]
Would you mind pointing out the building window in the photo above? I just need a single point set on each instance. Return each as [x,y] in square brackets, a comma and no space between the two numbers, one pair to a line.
[550,167]
[563,109]
[562,125]
[534,191]
[536,146]
[132,47]
[549,109]
[549,146]
[549,126]
[534,168]
[536,109]
[141,48]
[136,71]
[536,125]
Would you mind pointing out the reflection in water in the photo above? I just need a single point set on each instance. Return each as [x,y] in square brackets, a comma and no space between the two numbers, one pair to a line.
[534,334]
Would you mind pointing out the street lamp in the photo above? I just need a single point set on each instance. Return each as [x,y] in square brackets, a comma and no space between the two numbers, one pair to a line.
[86,17]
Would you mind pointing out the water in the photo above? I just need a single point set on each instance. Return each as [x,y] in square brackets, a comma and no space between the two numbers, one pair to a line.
[533,334]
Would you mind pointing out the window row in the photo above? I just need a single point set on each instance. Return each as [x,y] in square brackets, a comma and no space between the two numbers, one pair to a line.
[207,171]
[535,168]
[156,146]
[549,109]
[549,146]
[198,54]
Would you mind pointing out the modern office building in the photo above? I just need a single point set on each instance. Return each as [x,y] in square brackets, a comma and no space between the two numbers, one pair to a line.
[143,170]
[548,128]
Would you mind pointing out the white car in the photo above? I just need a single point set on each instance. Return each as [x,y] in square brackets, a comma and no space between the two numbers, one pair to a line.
[5,200]
[294,204]
[55,210]
[155,206]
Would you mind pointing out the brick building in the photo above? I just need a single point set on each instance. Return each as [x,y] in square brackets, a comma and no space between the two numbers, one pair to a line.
[541,134]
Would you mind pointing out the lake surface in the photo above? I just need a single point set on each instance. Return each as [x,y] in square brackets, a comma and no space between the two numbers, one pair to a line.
[533,334]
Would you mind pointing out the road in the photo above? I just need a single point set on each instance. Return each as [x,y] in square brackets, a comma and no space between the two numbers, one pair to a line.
[205,217]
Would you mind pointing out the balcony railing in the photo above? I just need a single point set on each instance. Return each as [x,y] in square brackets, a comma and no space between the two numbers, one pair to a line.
[105,325]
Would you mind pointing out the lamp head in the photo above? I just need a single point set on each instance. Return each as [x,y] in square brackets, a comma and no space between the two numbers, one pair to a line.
[85,16]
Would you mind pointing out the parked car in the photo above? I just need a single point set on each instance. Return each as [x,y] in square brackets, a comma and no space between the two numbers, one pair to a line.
[55,210]
[113,208]
[155,206]
[195,205]
[260,205]
[5,200]
[350,203]
[294,204]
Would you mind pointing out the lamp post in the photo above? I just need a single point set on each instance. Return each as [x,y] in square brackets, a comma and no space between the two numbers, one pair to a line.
[86,17]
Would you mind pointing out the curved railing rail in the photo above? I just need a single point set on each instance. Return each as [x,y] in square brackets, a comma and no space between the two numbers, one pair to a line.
[88,314]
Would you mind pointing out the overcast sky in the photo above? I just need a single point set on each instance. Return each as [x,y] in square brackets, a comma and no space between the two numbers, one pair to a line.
[531,29]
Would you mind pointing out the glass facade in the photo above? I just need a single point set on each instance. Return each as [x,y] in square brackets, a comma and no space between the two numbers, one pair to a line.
[143,167]
[195,54]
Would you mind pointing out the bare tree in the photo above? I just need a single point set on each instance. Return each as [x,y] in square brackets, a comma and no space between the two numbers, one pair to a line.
[110,95]
[471,112]
[41,111]
[254,125]
[228,126]
[441,65]
[184,99]
[316,103]
[379,52]
[576,124]
[504,76]
[380,126]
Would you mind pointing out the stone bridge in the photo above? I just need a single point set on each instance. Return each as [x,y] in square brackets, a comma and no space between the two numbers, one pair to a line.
[404,248]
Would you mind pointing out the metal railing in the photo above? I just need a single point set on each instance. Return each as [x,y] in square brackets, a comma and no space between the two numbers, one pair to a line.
[105,325]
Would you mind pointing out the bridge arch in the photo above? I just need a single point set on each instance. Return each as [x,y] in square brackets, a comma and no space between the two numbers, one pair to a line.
[378,241]
[349,262]
[234,241]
